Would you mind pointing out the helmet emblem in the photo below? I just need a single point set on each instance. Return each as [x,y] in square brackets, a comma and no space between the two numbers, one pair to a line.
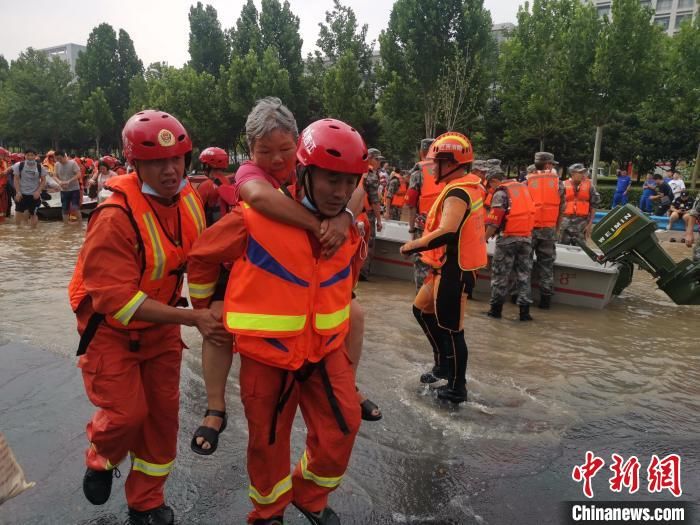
[166,138]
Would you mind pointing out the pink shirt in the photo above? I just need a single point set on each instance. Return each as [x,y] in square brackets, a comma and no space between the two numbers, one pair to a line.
[250,171]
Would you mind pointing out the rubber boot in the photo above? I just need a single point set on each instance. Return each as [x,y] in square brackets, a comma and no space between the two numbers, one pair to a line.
[456,388]
[97,485]
[525,312]
[326,517]
[514,299]
[428,322]
[162,515]
[545,302]
[496,310]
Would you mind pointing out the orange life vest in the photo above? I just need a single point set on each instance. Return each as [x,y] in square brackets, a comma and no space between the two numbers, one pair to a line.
[578,203]
[399,198]
[521,210]
[472,242]
[304,312]
[162,258]
[544,190]
[430,190]
[489,197]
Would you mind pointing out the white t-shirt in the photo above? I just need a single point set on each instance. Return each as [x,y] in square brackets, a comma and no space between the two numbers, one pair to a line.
[677,186]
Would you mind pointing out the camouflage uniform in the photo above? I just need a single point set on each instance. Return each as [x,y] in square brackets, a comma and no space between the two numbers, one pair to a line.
[371,185]
[573,227]
[420,269]
[513,254]
[695,212]
[544,247]
[391,189]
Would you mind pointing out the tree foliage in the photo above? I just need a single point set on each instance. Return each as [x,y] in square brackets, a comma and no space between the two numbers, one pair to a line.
[96,115]
[207,43]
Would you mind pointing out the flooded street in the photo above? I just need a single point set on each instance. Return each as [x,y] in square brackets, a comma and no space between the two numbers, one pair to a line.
[625,379]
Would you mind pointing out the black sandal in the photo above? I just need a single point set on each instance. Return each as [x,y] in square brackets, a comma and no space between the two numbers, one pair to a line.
[210,435]
[368,407]
[326,517]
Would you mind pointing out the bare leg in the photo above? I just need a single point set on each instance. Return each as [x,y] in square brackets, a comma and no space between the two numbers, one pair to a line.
[20,217]
[672,218]
[34,221]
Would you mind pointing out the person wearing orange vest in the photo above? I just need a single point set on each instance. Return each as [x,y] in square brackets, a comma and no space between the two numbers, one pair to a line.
[50,161]
[511,217]
[547,192]
[291,339]
[418,208]
[214,160]
[125,291]
[395,197]
[370,184]
[454,247]
[582,199]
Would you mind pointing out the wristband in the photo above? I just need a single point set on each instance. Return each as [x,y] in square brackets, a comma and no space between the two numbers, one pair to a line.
[352,215]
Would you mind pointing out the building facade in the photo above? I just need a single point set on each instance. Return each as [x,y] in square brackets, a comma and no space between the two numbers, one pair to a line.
[669,14]
[67,52]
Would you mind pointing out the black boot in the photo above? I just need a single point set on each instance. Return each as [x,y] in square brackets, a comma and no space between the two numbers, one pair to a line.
[456,388]
[435,375]
[545,302]
[525,312]
[162,515]
[429,324]
[326,517]
[514,299]
[97,485]
[275,520]
[496,310]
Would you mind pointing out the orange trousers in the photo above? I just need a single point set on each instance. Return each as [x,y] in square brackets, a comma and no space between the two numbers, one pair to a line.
[137,393]
[328,448]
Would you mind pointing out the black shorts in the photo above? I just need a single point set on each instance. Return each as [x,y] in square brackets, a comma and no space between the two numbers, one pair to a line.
[28,203]
[70,200]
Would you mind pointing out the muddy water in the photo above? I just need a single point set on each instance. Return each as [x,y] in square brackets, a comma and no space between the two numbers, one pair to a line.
[625,380]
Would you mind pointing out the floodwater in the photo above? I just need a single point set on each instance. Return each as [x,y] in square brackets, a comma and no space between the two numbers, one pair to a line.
[541,394]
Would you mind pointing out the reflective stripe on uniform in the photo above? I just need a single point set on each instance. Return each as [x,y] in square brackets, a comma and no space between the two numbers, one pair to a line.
[151,469]
[332,320]
[477,206]
[201,291]
[265,322]
[321,481]
[127,311]
[159,258]
[277,491]
[194,210]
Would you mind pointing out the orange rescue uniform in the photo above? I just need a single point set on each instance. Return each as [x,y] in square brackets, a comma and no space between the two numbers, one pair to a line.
[544,190]
[292,345]
[135,248]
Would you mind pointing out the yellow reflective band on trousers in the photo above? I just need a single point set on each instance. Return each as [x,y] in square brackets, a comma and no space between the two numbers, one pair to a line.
[332,320]
[265,322]
[159,258]
[201,291]
[127,311]
[321,481]
[192,207]
[277,491]
[151,469]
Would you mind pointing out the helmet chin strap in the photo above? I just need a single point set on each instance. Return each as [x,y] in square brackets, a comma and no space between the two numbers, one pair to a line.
[438,179]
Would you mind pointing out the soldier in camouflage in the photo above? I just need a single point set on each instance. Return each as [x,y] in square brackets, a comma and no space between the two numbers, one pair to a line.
[416,221]
[512,255]
[692,221]
[575,226]
[392,188]
[371,186]
[544,238]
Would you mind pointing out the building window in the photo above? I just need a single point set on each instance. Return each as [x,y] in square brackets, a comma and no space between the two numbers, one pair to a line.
[662,21]
[604,11]
[682,18]
[663,5]
[645,3]
[686,4]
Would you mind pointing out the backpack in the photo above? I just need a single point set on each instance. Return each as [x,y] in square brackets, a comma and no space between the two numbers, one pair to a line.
[21,167]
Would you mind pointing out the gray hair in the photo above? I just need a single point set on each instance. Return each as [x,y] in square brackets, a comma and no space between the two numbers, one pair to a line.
[267,115]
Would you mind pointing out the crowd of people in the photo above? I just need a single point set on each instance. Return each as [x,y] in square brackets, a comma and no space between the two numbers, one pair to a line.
[273,255]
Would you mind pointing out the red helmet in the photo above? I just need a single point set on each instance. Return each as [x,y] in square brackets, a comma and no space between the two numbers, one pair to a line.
[214,158]
[332,145]
[109,161]
[152,134]
[16,157]
[452,144]
[4,153]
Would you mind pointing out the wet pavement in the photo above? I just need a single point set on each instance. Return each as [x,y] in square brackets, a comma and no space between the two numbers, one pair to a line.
[625,380]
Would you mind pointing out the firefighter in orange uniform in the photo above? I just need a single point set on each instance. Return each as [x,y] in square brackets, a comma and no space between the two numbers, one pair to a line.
[124,292]
[454,247]
[214,160]
[292,337]
[547,193]
[511,217]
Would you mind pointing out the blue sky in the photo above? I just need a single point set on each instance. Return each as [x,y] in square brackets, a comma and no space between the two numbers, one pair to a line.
[159,27]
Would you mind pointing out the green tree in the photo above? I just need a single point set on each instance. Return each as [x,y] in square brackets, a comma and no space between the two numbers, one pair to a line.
[38,101]
[130,67]
[207,43]
[4,69]
[344,96]
[246,36]
[97,119]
